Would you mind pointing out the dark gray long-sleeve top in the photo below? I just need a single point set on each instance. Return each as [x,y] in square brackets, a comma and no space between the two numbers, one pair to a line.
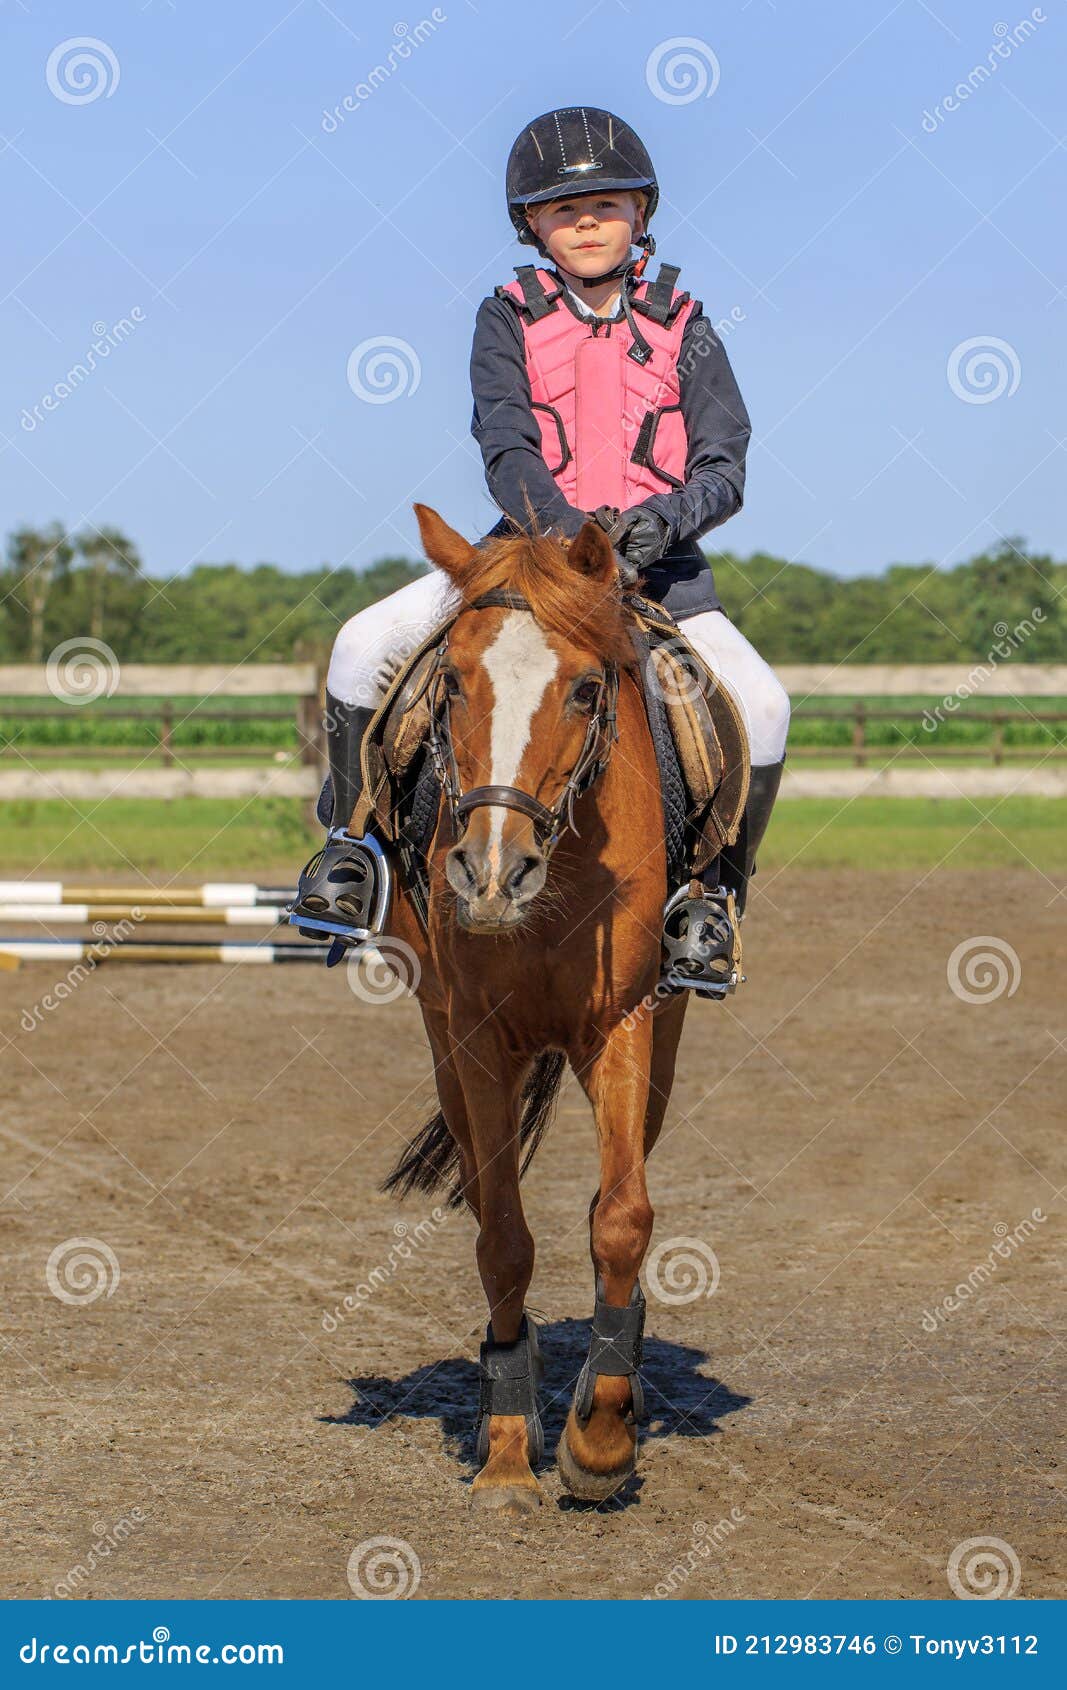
[717,431]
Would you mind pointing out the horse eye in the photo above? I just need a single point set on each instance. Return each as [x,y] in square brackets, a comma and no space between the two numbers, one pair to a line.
[450,683]
[586,693]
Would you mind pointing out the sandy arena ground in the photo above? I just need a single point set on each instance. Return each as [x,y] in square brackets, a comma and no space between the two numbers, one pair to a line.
[850,1138]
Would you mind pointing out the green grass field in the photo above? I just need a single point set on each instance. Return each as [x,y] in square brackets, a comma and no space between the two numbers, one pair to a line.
[205,838]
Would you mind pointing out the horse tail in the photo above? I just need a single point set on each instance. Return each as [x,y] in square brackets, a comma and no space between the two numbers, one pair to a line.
[539,1096]
[431,1160]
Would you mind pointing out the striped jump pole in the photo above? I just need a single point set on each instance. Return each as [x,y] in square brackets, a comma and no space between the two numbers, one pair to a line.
[68,915]
[211,895]
[168,950]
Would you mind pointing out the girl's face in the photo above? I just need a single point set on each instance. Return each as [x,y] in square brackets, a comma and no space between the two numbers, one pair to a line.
[589,233]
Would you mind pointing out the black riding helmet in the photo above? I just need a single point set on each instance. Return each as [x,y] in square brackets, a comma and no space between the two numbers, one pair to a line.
[577,150]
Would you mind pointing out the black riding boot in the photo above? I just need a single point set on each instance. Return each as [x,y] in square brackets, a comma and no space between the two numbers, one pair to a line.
[343,892]
[700,926]
[738,863]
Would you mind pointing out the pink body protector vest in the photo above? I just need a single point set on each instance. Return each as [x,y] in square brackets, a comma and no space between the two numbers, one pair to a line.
[606,398]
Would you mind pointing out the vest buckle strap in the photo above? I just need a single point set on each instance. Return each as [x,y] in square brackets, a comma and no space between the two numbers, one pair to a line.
[659,302]
[536,301]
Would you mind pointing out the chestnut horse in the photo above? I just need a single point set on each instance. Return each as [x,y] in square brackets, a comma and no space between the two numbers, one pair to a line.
[547,885]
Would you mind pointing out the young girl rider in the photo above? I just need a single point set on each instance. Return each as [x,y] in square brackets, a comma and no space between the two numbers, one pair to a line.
[592,388]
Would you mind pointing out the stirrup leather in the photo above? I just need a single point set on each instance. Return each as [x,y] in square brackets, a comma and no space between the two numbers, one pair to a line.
[510,1377]
[702,941]
[344,891]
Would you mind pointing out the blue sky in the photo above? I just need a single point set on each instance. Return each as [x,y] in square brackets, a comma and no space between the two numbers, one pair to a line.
[814,185]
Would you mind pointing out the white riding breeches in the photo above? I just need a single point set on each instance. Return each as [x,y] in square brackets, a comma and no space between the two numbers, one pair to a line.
[371,645]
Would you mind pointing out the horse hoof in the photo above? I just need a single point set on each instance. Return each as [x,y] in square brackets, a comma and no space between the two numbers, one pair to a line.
[513,1500]
[584,1484]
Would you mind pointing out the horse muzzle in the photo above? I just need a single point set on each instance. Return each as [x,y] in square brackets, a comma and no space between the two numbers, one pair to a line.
[494,885]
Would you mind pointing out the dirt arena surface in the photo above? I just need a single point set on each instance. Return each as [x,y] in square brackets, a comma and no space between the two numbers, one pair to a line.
[848,1136]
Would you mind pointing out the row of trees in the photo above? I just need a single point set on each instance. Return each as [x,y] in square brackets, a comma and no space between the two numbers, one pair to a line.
[40,562]
[58,587]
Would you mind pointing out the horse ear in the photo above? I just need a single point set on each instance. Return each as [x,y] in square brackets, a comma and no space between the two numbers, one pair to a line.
[443,546]
[591,553]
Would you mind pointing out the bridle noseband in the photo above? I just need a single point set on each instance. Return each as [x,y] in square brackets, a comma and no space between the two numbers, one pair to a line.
[550,821]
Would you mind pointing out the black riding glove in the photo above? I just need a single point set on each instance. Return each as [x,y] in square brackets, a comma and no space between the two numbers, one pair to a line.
[642,537]
[639,538]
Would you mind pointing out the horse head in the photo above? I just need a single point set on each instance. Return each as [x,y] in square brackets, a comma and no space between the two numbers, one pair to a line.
[523,700]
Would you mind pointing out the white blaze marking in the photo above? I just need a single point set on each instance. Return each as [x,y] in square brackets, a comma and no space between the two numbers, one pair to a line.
[520,663]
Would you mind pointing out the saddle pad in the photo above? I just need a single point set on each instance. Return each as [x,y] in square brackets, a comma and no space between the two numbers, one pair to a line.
[673,782]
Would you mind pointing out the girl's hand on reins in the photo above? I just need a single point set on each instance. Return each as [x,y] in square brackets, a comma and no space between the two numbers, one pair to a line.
[641,536]
[608,518]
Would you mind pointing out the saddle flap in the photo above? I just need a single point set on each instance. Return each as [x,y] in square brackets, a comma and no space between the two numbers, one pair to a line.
[705,718]
[731,796]
[407,721]
[696,739]
[394,734]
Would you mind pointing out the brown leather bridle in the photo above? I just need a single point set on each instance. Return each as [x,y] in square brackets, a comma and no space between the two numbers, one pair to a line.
[550,821]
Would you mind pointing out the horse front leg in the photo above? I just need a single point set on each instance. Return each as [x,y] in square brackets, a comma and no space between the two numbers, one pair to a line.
[667,1024]
[453,1103]
[597,1451]
[509,1427]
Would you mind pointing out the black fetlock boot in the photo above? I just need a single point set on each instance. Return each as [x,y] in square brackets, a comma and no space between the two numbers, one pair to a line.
[343,892]
[701,934]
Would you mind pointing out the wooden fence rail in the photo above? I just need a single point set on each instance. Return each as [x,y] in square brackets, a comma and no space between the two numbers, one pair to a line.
[308,728]
[312,751]
[861,714]
[164,684]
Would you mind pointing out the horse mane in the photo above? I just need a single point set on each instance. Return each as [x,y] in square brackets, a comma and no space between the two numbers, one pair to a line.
[563,600]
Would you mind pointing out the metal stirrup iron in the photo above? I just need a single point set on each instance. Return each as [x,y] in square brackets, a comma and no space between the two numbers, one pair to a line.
[615,1352]
[345,891]
[510,1376]
[701,941]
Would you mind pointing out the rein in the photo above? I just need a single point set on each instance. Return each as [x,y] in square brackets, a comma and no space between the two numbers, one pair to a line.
[550,821]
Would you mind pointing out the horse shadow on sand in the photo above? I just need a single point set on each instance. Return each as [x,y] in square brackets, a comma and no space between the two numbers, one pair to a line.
[682,1398]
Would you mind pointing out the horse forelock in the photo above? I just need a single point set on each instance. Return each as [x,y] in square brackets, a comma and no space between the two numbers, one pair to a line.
[586,613]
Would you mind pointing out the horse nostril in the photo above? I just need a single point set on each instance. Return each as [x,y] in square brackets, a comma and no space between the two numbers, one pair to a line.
[458,860]
[527,864]
[467,871]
